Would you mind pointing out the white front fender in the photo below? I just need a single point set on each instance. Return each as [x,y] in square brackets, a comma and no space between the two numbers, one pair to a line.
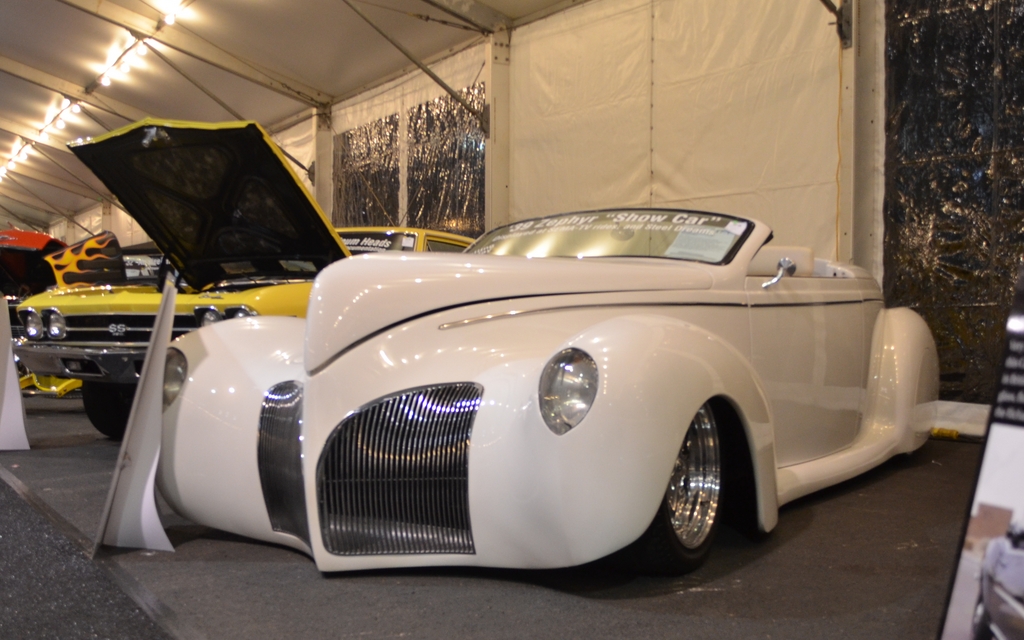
[208,458]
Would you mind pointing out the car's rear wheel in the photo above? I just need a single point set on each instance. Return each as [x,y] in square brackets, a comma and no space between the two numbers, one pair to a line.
[108,406]
[680,538]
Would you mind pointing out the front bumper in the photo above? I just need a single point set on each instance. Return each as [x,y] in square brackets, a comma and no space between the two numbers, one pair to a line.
[104,364]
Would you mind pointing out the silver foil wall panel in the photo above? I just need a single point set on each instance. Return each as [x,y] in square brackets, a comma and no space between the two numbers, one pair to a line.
[444,174]
[393,477]
[446,165]
[366,179]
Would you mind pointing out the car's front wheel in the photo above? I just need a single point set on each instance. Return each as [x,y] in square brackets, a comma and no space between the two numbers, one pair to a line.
[108,406]
[680,538]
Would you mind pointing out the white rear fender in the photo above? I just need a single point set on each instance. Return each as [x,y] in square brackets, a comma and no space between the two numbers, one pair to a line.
[208,460]
[903,379]
[903,384]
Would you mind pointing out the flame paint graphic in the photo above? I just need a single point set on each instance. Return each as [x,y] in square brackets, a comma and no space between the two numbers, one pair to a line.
[92,261]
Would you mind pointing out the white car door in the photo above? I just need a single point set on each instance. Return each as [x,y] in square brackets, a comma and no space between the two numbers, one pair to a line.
[807,345]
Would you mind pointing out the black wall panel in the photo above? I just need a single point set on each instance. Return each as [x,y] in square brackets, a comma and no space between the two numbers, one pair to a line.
[954,202]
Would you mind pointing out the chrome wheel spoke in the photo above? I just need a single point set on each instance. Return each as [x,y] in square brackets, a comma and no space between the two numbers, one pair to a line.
[694,490]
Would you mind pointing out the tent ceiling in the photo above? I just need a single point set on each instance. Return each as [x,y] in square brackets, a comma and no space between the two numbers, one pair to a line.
[291,54]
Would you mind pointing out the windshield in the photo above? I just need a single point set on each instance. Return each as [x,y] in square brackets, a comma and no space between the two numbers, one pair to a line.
[681,235]
[375,241]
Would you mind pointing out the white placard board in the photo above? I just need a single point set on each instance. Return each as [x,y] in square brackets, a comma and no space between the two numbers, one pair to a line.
[130,517]
[12,410]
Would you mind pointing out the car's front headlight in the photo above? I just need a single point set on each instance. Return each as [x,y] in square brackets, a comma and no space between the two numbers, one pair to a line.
[207,316]
[568,387]
[56,326]
[239,312]
[33,324]
[175,372]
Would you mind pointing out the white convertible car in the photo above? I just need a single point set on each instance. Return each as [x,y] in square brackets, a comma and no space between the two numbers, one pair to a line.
[570,387]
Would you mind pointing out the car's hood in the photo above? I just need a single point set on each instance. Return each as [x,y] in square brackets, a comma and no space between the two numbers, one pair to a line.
[357,297]
[219,200]
[97,299]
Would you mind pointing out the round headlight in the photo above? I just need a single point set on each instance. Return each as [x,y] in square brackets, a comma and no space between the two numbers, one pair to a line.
[33,325]
[175,372]
[568,387]
[56,327]
[241,312]
[209,316]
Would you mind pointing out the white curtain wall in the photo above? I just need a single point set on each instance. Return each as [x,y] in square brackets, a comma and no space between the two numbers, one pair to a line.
[94,220]
[721,105]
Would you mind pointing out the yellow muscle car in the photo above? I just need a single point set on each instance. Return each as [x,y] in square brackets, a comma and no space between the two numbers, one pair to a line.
[240,235]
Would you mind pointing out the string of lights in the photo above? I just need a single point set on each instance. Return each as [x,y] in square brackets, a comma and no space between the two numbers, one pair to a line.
[120,67]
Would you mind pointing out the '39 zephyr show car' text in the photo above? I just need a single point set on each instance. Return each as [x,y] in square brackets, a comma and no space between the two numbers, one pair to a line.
[570,387]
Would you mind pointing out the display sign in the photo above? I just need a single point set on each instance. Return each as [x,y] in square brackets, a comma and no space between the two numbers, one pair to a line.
[987,595]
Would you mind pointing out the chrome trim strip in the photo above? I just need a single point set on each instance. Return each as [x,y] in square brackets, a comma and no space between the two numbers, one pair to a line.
[87,348]
[107,329]
[151,314]
[523,312]
[828,303]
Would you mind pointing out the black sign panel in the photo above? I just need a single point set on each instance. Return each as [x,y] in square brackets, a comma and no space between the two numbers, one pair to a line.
[987,595]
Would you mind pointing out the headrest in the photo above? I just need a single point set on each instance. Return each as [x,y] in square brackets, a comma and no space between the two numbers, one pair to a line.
[766,261]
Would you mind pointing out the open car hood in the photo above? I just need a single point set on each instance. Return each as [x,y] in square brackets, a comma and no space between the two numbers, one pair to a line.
[219,200]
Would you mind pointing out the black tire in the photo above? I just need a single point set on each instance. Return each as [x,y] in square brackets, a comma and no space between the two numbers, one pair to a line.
[108,405]
[669,547]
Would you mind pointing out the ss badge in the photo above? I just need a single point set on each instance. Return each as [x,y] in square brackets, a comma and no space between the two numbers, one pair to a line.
[117,329]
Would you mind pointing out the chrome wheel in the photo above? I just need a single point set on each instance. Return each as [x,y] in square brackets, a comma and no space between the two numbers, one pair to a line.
[694,492]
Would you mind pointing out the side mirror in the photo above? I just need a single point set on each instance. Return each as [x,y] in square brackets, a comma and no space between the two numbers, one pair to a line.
[786,268]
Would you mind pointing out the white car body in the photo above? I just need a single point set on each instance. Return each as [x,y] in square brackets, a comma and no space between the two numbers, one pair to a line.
[823,380]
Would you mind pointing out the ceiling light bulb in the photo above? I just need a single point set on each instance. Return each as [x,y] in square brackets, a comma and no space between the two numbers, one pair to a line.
[3,171]
[105,81]
[125,67]
[65,103]
[169,18]
[59,123]
[23,156]
[44,136]
[141,50]
[11,164]
[76,108]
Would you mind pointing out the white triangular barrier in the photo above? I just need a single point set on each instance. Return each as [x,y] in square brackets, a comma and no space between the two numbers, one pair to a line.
[12,410]
[130,517]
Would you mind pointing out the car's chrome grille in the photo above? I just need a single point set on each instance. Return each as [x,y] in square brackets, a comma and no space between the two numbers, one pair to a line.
[393,477]
[17,331]
[279,457]
[121,327]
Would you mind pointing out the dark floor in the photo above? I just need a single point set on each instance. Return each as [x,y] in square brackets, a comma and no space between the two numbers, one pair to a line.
[871,558]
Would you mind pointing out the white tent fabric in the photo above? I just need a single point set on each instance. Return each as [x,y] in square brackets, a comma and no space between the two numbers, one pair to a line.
[300,142]
[729,106]
[127,230]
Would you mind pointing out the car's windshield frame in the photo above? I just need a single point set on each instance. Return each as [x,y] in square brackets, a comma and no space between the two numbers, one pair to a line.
[633,220]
